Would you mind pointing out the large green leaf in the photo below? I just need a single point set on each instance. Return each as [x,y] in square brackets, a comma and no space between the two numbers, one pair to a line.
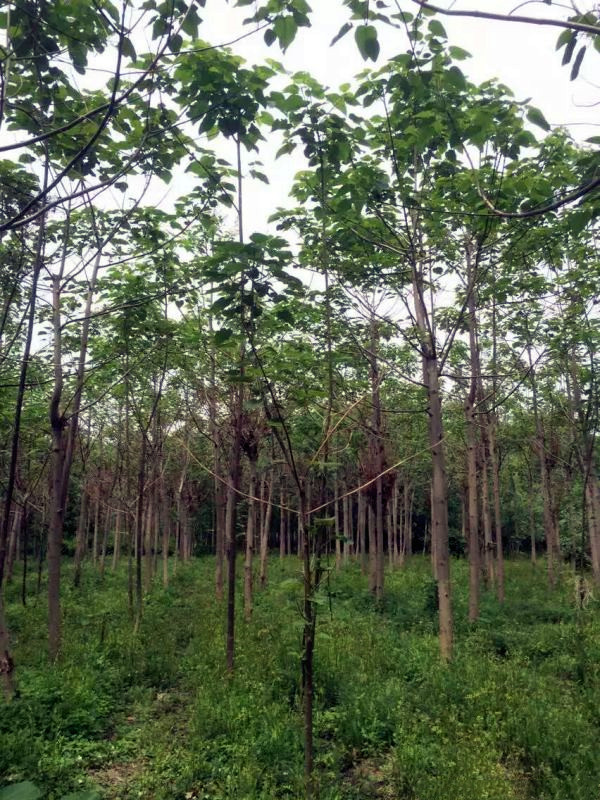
[366,39]
[20,791]
[535,116]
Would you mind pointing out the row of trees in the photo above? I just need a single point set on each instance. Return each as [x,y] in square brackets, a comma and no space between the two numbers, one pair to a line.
[409,362]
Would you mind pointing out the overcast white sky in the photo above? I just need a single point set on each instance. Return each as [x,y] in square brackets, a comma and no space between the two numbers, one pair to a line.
[521,56]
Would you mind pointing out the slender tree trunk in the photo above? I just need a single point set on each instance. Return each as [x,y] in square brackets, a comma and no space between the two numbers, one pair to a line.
[17,524]
[250,526]
[372,530]
[230,523]
[57,464]
[439,516]
[281,524]
[265,530]
[494,466]
[348,534]
[488,543]
[139,533]
[472,509]
[166,528]
[6,662]
[105,534]
[362,525]
[336,525]
[117,540]
[540,446]
[96,528]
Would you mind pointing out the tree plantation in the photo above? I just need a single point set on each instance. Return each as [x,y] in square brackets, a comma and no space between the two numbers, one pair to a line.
[299,407]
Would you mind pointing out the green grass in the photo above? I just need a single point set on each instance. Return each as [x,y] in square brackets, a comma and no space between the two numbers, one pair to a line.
[516,715]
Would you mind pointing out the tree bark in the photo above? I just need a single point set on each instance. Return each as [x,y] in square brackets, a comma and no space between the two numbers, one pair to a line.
[250,527]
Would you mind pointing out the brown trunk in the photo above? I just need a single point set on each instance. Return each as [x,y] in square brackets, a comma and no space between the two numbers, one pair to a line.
[348,533]
[265,530]
[390,537]
[362,525]
[230,523]
[407,535]
[372,524]
[439,481]
[472,442]
[96,529]
[106,531]
[250,525]
[495,468]
[117,540]
[540,447]
[336,525]
[488,544]
[166,529]
[439,508]
[6,662]
[592,500]
[378,459]
[393,525]
[139,533]
[281,525]
[308,643]
[15,529]
[472,509]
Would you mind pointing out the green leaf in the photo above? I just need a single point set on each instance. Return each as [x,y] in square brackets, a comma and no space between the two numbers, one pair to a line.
[20,791]
[175,43]
[535,116]
[437,29]
[366,39]
[128,49]
[568,54]
[260,176]
[285,315]
[223,335]
[577,63]
[564,37]
[456,78]
[285,29]
[578,220]
[458,53]
[347,26]
[86,794]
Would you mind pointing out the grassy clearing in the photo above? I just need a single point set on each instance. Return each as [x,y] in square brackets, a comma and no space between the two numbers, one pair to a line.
[515,717]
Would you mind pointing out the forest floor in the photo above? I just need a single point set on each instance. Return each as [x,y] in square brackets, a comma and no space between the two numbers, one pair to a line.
[516,716]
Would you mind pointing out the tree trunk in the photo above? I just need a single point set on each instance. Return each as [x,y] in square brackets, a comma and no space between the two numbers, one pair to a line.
[6,662]
[488,544]
[362,525]
[265,530]
[250,526]
[117,540]
[230,524]
[281,524]
[495,468]
[106,531]
[336,525]
[540,447]
[439,508]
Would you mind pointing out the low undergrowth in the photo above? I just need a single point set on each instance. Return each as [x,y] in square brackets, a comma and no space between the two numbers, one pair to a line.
[515,716]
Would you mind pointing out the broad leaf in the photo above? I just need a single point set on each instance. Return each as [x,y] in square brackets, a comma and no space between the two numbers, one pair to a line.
[535,116]
[366,39]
